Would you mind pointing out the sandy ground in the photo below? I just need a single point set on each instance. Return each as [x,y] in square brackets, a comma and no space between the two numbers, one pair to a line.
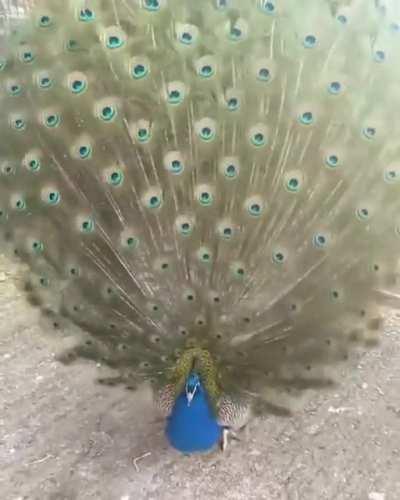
[62,436]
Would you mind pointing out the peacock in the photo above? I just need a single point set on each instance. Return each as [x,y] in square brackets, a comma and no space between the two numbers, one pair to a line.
[208,189]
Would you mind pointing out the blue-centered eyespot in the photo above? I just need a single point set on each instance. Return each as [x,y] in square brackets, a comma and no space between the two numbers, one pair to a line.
[237,31]
[206,66]
[335,87]
[379,56]
[27,55]
[14,88]
[32,160]
[152,199]
[391,174]
[279,256]
[139,68]
[129,239]
[114,176]
[83,149]
[184,225]
[254,206]
[45,20]
[204,195]
[44,80]
[131,242]
[113,37]
[86,15]
[51,119]
[37,246]
[363,213]
[107,113]
[175,92]
[310,41]
[293,181]
[53,197]
[306,118]
[232,99]
[141,131]
[17,122]
[206,129]
[238,270]
[151,5]
[229,167]
[268,6]
[258,135]
[369,132]
[173,162]
[187,34]
[86,225]
[204,255]
[226,229]
[320,240]
[18,202]
[77,82]
[332,161]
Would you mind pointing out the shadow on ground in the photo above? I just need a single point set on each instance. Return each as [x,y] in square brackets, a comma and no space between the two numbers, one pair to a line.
[62,436]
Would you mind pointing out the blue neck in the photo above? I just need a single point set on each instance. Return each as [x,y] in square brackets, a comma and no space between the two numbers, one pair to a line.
[193,427]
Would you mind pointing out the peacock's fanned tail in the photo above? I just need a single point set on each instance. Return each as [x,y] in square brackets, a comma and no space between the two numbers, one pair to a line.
[222,175]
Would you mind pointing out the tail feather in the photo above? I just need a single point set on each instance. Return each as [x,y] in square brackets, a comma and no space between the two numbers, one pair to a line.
[225,175]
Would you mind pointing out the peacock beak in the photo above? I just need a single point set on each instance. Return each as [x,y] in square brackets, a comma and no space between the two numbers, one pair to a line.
[190,392]
[190,396]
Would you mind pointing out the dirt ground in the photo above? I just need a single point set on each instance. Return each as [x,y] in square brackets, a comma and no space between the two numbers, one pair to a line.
[62,436]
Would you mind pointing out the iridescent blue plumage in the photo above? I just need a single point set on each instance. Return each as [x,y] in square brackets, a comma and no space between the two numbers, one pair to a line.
[192,425]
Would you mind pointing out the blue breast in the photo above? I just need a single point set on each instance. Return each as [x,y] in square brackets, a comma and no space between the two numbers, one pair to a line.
[193,428]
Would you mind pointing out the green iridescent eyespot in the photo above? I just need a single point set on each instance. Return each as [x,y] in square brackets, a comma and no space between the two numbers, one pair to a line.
[278,257]
[20,204]
[116,178]
[87,226]
[238,270]
[306,118]
[53,197]
[45,21]
[205,198]
[132,242]
[86,15]
[52,120]
[140,71]
[320,240]
[108,113]
[44,82]
[114,42]
[143,134]
[310,41]
[152,5]
[78,86]
[332,161]
[84,152]
[363,213]
[37,246]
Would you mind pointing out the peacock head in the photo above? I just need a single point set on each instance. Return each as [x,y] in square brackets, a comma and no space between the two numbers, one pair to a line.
[192,387]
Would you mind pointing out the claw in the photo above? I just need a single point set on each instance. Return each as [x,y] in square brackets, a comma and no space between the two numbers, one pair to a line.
[226,435]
